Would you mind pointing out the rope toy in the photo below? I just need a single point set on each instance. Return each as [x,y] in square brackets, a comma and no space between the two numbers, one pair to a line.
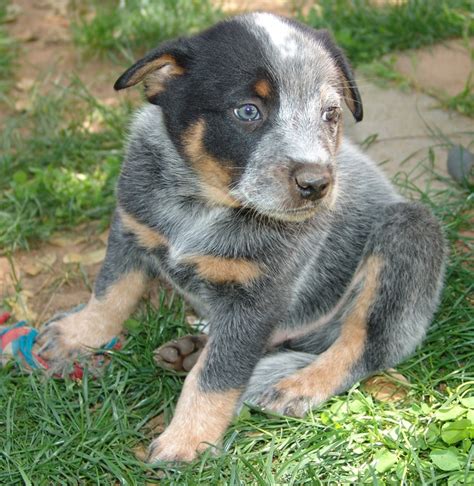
[17,343]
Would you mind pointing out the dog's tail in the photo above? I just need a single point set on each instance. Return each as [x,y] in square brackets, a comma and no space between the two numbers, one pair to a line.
[273,368]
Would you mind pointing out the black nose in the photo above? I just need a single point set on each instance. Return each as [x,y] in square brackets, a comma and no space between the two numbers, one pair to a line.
[312,182]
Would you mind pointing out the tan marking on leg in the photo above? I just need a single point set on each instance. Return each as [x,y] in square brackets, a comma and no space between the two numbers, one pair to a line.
[200,419]
[327,374]
[156,73]
[214,178]
[263,88]
[146,237]
[225,270]
[98,322]
[103,317]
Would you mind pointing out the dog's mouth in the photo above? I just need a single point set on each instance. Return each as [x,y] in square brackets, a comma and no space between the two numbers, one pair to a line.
[288,215]
[296,214]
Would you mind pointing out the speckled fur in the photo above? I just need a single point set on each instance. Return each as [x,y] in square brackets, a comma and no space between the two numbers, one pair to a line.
[312,269]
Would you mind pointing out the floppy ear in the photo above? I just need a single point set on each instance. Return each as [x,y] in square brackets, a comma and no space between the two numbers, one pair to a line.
[350,90]
[155,69]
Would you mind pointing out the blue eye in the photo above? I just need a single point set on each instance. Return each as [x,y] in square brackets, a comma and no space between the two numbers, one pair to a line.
[247,113]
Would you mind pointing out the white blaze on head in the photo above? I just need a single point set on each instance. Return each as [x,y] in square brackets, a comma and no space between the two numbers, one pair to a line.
[281,34]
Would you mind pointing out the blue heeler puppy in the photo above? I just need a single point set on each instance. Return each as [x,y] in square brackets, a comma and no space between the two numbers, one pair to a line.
[239,189]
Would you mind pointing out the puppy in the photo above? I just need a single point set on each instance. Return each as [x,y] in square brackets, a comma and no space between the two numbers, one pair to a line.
[239,189]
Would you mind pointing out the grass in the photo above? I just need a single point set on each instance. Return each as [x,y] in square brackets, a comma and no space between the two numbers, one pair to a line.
[367,33]
[56,170]
[7,52]
[463,102]
[117,27]
[64,432]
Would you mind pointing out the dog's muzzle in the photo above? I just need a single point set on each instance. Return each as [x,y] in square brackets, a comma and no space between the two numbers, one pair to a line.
[312,181]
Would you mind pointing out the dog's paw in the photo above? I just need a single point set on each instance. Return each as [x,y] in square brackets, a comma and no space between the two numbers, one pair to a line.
[180,354]
[276,401]
[66,338]
[58,341]
[285,398]
[172,446]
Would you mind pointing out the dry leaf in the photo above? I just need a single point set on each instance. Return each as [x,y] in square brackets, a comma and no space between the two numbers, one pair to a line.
[20,308]
[23,104]
[48,260]
[140,452]
[7,283]
[34,267]
[104,237]
[72,258]
[192,320]
[391,387]
[90,258]
[25,84]
[155,425]
[28,36]
[67,240]
[12,13]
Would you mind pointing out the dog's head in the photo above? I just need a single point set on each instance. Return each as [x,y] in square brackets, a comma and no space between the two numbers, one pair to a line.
[254,106]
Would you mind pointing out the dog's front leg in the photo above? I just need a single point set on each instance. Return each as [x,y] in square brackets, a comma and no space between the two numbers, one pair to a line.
[211,392]
[121,282]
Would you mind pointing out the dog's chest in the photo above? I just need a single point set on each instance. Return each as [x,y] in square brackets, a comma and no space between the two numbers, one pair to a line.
[204,247]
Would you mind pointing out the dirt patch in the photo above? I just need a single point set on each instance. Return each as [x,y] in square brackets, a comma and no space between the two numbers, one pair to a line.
[47,56]
[55,276]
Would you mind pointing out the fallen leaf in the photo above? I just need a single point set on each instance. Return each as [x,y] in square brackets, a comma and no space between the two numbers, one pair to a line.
[23,104]
[140,452]
[390,387]
[67,240]
[192,320]
[12,13]
[89,258]
[20,308]
[25,84]
[7,283]
[48,260]
[34,267]
[155,425]
[104,237]
[28,36]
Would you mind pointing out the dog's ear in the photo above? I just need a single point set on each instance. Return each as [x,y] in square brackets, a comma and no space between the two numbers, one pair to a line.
[350,90]
[156,68]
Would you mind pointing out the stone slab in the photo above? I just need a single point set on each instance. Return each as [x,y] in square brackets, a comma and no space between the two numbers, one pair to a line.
[405,126]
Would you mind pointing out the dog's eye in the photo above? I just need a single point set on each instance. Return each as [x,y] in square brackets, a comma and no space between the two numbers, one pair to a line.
[330,114]
[247,113]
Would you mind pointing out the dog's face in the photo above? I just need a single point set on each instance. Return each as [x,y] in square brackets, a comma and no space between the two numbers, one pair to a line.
[254,106]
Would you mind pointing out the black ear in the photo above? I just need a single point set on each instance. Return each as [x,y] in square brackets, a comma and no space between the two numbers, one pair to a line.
[156,68]
[350,90]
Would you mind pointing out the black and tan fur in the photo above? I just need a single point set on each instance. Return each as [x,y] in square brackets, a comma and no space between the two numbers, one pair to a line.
[310,269]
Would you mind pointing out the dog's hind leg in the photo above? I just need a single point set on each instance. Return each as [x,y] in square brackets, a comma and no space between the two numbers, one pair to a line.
[120,284]
[386,315]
